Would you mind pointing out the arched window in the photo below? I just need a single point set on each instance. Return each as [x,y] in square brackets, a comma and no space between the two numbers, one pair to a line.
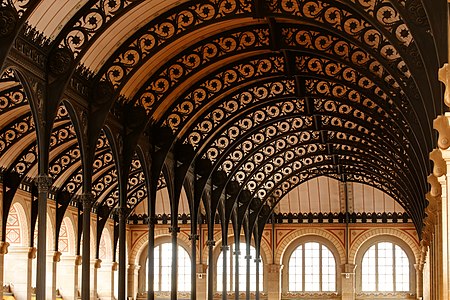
[312,268]
[385,268]
[242,269]
[163,269]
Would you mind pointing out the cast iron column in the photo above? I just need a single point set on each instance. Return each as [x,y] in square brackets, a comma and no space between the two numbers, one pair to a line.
[193,237]
[44,183]
[247,275]
[87,199]
[237,252]
[210,243]
[174,288]
[224,274]
[257,261]
[122,252]
[151,258]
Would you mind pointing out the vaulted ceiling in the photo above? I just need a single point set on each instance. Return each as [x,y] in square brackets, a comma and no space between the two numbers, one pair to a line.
[237,102]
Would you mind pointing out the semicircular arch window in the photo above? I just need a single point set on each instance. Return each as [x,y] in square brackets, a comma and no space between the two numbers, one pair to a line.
[312,268]
[385,267]
[163,269]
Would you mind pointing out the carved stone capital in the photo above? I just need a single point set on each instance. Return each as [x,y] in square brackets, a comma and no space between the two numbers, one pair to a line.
[43,183]
[78,260]
[225,248]
[4,247]
[444,77]
[236,252]
[210,243]
[436,188]
[98,264]
[56,256]
[248,257]
[32,252]
[439,165]
[348,270]
[257,260]
[441,124]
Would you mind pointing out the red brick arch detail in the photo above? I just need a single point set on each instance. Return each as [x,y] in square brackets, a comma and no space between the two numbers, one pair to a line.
[374,233]
[299,233]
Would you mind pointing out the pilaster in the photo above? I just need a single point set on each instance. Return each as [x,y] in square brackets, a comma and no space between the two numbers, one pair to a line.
[133,274]
[3,252]
[97,266]
[348,282]
[274,281]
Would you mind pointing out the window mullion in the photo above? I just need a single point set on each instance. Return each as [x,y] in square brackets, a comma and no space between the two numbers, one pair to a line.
[320,268]
[394,273]
[376,267]
[303,267]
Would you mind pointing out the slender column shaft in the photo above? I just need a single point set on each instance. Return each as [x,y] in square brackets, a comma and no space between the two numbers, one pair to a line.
[43,183]
[224,274]
[87,199]
[174,284]
[122,257]
[151,259]
[257,261]
[193,237]
[247,277]
[210,243]
[237,252]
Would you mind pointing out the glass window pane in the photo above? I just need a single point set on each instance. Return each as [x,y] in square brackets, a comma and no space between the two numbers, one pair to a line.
[163,269]
[242,270]
[312,268]
[381,263]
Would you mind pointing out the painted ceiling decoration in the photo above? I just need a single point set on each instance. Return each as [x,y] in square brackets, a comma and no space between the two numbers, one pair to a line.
[229,105]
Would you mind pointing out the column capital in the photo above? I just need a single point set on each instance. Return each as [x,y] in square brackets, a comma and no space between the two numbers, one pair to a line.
[441,124]
[32,252]
[174,230]
[248,257]
[210,243]
[56,256]
[114,266]
[4,247]
[78,260]
[43,182]
[97,263]
[348,270]
[439,164]
[225,247]
[237,252]
[87,199]
[419,267]
[193,236]
[152,221]
[122,213]
[257,260]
